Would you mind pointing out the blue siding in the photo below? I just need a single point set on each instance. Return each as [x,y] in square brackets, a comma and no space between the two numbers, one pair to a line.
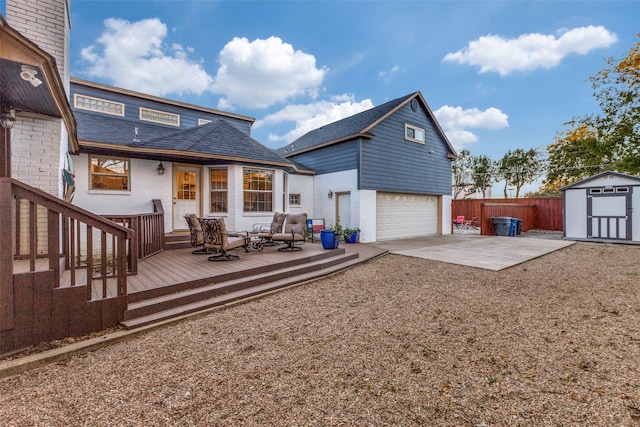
[333,158]
[188,117]
[391,163]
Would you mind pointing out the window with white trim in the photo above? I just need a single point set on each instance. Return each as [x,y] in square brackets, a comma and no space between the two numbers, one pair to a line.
[219,187]
[258,190]
[83,102]
[108,173]
[156,116]
[413,133]
[294,199]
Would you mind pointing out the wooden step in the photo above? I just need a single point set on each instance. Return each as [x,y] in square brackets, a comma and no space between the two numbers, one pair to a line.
[219,293]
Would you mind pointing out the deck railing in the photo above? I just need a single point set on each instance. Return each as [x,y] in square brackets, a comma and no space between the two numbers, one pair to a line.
[72,238]
[148,228]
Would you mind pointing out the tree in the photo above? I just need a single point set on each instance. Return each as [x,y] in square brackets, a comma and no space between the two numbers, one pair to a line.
[461,168]
[483,173]
[606,141]
[520,167]
[472,174]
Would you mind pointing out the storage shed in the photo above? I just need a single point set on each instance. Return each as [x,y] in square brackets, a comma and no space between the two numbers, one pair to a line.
[603,208]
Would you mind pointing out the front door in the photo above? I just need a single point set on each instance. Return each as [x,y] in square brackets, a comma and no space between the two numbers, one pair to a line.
[609,213]
[186,194]
[343,209]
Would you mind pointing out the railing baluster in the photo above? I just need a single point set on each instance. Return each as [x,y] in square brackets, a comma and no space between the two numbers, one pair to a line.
[103,259]
[54,246]
[89,262]
[33,236]
[72,250]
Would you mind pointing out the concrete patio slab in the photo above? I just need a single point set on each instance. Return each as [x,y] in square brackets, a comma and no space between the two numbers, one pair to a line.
[487,252]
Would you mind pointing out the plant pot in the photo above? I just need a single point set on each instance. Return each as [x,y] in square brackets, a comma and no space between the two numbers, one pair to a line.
[329,239]
[352,239]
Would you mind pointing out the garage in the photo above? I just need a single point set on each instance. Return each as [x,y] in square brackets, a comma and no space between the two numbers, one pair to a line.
[400,215]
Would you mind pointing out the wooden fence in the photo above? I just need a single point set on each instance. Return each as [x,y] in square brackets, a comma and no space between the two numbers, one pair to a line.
[541,213]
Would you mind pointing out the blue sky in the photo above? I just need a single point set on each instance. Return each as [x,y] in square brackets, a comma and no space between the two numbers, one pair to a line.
[498,75]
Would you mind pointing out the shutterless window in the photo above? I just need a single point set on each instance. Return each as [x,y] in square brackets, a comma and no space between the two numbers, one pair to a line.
[107,173]
[90,103]
[159,117]
[413,133]
[294,199]
[258,190]
[219,185]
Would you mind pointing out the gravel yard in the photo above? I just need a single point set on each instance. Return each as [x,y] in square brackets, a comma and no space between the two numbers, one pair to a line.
[395,341]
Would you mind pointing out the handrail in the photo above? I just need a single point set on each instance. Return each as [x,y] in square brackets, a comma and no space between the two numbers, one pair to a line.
[62,207]
[69,231]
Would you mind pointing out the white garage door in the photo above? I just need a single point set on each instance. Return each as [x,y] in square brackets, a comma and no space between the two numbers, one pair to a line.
[405,215]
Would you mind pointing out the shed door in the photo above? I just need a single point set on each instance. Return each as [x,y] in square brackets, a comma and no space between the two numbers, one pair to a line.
[402,215]
[609,213]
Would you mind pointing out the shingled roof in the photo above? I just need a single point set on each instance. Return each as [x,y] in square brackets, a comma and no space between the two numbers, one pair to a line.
[217,140]
[356,126]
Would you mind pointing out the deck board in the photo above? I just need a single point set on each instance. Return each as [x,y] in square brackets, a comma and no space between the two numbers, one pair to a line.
[179,266]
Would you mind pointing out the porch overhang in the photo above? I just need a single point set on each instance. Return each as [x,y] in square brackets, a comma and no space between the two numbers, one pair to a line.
[48,98]
[170,155]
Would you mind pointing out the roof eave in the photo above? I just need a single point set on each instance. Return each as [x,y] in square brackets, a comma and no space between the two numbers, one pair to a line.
[90,145]
[18,48]
[364,135]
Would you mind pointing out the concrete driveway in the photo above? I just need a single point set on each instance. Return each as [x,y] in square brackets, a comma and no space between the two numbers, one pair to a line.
[488,252]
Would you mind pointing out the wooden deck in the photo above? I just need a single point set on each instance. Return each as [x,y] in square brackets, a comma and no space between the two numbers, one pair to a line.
[175,282]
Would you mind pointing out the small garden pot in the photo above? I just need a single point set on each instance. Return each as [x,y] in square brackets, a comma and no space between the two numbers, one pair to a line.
[352,239]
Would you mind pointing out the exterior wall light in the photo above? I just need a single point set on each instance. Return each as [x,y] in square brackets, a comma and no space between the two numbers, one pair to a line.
[330,195]
[160,169]
[8,119]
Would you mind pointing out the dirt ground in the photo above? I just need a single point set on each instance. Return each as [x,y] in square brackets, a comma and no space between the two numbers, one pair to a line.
[395,341]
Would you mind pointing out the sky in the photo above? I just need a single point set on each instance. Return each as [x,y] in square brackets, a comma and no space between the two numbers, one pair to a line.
[498,75]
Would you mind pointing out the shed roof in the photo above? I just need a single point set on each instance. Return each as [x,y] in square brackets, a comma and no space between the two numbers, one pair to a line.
[586,181]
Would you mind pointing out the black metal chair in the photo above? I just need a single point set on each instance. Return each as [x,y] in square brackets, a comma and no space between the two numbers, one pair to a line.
[197,240]
[217,238]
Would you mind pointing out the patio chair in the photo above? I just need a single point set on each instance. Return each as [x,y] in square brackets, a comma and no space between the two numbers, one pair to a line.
[265,231]
[294,228]
[216,237]
[458,221]
[471,223]
[197,240]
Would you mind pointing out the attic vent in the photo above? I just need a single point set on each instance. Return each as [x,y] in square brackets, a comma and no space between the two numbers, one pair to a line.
[414,104]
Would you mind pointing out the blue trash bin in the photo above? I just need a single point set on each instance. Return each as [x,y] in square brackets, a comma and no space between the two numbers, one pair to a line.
[513,226]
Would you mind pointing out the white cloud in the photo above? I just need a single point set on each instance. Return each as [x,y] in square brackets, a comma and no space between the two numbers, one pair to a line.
[312,116]
[262,73]
[456,121]
[132,55]
[531,51]
[386,75]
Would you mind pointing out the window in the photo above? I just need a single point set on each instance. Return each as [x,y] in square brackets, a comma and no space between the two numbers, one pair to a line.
[294,199]
[413,133]
[258,190]
[186,185]
[159,117]
[218,190]
[108,173]
[83,102]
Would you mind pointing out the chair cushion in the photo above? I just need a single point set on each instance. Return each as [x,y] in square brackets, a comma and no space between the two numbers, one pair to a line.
[278,221]
[296,223]
[288,237]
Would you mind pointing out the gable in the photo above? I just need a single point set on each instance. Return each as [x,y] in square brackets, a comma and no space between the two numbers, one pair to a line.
[603,179]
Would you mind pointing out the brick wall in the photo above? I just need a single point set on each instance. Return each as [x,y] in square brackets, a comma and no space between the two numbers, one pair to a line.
[40,144]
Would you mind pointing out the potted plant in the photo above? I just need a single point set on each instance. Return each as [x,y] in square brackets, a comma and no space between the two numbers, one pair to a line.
[330,237]
[351,234]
